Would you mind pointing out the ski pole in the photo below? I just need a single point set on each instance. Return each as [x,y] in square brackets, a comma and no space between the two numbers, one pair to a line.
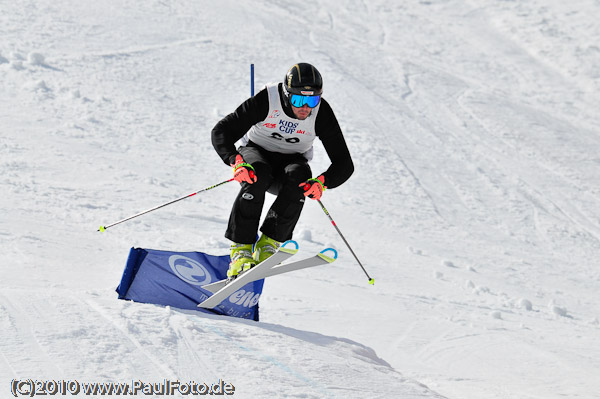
[371,280]
[252,80]
[102,228]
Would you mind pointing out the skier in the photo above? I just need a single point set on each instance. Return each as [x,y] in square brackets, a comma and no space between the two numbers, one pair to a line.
[277,128]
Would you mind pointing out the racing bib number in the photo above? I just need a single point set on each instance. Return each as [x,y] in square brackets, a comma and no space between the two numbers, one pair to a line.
[291,140]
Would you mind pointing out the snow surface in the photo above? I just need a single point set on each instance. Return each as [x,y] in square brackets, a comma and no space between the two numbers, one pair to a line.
[475,204]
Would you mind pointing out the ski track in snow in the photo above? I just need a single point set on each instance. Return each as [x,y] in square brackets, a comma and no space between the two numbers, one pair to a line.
[475,201]
[134,341]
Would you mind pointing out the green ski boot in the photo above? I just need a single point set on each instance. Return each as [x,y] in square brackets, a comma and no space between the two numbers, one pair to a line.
[264,248]
[241,260]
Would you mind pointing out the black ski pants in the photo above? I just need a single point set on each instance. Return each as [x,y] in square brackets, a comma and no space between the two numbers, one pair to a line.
[276,173]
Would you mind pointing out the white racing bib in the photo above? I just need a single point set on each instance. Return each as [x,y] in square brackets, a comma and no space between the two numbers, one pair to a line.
[280,133]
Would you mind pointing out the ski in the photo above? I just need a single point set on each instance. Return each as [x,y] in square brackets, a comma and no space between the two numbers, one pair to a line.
[316,260]
[256,273]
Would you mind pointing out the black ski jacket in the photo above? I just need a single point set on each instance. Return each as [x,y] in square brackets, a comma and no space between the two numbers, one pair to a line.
[235,125]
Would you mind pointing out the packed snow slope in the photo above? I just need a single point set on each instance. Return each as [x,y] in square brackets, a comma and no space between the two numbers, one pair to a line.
[475,203]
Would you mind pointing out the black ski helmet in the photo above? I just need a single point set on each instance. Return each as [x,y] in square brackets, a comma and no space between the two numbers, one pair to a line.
[303,79]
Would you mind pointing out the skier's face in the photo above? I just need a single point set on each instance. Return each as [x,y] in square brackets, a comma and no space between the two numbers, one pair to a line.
[301,112]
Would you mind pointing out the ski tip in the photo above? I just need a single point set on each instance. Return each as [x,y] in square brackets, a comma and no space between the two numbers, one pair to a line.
[372,281]
[289,242]
[102,228]
[289,250]
[329,259]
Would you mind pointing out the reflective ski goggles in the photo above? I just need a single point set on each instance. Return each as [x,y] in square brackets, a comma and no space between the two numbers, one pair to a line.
[298,100]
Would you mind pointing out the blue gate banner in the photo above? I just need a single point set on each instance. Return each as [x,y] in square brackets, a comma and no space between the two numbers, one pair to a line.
[176,279]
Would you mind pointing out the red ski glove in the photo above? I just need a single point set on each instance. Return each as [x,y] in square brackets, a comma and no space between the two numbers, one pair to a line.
[243,171]
[313,188]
